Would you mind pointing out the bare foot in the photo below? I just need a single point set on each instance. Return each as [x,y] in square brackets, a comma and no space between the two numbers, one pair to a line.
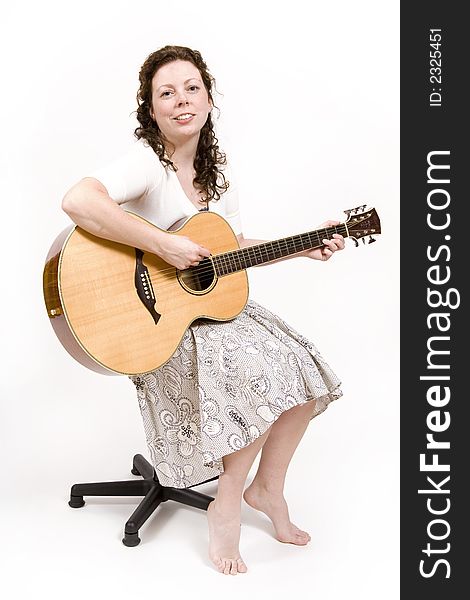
[224,537]
[275,507]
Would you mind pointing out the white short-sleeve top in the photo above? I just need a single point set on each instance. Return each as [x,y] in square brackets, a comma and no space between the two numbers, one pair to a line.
[140,181]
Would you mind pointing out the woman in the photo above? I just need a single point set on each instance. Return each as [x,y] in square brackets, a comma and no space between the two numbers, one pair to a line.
[231,388]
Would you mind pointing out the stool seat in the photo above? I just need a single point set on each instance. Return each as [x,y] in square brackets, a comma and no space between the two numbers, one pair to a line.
[153,491]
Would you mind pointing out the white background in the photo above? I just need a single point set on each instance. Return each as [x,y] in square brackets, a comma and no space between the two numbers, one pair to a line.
[310,120]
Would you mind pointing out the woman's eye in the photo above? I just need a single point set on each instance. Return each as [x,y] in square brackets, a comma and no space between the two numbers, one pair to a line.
[193,88]
[166,93]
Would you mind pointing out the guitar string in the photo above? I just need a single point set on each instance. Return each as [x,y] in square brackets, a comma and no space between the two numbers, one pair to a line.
[207,268]
[200,270]
[225,255]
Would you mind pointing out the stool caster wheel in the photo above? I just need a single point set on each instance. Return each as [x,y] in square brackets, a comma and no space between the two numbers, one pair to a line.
[131,539]
[76,501]
[134,471]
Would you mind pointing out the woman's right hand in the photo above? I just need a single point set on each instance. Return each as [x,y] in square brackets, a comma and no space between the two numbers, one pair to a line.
[180,251]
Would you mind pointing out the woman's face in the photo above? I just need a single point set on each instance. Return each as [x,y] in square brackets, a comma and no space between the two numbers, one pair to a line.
[180,102]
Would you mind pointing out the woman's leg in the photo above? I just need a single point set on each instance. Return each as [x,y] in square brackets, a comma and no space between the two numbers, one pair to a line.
[265,493]
[223,513]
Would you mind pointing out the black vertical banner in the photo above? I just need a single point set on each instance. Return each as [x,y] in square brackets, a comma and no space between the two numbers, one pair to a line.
[435,432]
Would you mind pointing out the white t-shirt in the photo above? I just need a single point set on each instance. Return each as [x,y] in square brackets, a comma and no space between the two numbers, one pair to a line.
[147,188]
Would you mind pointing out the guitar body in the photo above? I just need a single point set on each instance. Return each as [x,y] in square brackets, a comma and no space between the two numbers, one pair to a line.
[118,310]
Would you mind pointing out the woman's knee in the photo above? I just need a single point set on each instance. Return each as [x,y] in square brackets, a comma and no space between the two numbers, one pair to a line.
[300,411]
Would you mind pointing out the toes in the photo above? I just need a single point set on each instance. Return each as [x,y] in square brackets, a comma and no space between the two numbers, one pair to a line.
[299,537]
[220,565]
[234,570]
[303,534]
[227,567]
[242,568]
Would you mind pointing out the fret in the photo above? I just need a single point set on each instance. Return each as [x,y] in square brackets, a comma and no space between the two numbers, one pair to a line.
[234,259]
[248,257]
[245,258]
[220,269]
[284,247]
[229,259]
[269,251]
[266,253]
[222,265]
[272,251]
[225,263]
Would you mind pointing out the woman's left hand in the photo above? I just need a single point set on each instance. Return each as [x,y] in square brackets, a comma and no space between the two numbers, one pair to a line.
[331,246]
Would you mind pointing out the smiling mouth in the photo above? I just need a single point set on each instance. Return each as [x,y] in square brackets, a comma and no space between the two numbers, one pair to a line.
[184,117]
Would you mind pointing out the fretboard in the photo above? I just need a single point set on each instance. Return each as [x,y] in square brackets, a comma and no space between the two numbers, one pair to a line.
[243,258]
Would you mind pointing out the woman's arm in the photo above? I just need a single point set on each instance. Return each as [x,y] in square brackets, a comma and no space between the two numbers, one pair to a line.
[88,205]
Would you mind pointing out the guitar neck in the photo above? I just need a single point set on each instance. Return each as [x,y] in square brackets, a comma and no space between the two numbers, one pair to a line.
[243,258]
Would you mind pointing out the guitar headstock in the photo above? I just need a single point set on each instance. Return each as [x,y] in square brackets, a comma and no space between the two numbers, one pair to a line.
[360,224]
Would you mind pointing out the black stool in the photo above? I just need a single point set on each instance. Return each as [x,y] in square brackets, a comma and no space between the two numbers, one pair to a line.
[150,487]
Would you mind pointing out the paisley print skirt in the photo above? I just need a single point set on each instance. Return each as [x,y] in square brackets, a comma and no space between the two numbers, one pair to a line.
[225,386]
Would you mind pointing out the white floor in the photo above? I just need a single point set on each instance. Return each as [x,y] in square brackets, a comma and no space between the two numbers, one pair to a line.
[345,495]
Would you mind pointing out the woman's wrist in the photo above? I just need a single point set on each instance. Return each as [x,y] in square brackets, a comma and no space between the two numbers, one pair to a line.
[158,241]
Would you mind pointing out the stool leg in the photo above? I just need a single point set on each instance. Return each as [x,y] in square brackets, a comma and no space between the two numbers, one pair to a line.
[189,497]
[141,466]
[107,488]
[148,505]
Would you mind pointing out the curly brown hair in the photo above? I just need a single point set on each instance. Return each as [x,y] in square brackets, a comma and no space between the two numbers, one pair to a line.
[209,178]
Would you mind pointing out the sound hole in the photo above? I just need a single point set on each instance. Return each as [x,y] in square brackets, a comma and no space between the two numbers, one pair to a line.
[198,279]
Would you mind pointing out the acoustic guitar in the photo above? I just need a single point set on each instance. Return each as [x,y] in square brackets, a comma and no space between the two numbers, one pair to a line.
[119,310]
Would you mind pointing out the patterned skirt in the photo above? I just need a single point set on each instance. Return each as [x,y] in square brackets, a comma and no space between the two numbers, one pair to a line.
[225,385]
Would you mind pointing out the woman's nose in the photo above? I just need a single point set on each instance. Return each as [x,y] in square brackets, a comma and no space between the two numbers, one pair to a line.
[182,98]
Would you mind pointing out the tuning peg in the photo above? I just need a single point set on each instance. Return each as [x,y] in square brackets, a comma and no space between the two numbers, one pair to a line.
[363,240]
[371,239]
[356,243]
[359,208]
[347,212]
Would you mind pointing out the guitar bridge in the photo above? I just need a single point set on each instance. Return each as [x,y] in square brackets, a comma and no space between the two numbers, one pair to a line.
[143,286]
